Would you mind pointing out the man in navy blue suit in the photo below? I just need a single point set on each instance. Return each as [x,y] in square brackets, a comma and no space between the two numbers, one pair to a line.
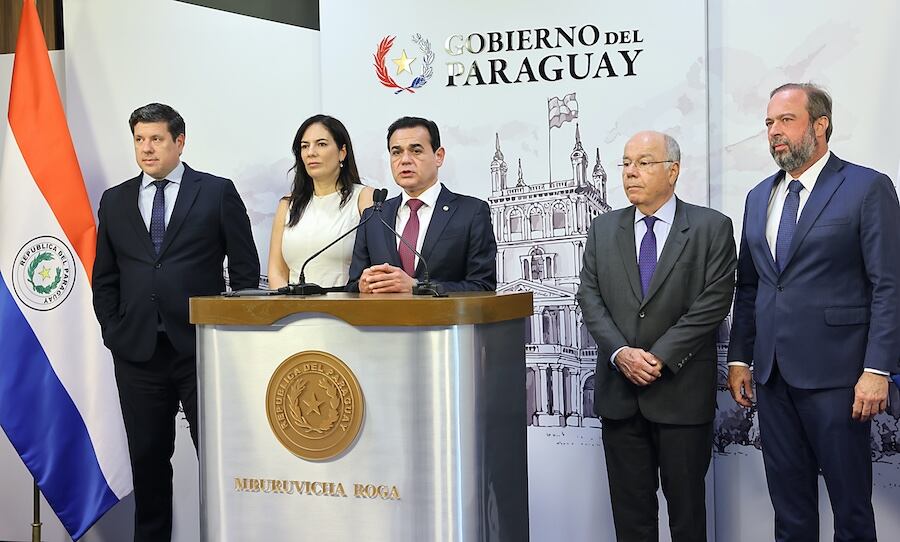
[817,314]
[162,238]
[452,232]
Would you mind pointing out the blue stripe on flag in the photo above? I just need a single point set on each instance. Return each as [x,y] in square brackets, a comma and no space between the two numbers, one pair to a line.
[45,427]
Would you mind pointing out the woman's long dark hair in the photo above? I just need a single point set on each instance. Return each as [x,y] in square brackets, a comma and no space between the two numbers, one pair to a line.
[302,187]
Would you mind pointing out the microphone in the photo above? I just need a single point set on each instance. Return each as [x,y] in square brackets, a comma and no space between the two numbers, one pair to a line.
[425,287]
[304,288]
[378,200]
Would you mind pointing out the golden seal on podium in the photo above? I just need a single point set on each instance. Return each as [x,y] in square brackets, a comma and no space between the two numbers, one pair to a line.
[315,405]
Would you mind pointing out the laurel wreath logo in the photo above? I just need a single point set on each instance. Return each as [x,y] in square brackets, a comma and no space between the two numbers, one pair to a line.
[32,267]
[420,81]
[294,394]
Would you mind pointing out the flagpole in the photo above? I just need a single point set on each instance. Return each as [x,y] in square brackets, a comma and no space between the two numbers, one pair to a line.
[36,522]
[549,156]
[549,147]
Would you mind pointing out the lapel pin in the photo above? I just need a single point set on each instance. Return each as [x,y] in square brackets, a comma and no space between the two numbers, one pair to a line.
[446,208]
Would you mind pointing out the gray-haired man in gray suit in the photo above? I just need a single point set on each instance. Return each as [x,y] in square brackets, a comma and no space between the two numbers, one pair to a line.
[658,279]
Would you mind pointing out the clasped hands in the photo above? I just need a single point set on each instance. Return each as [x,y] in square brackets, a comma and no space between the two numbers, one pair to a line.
[639,366]
[385,279]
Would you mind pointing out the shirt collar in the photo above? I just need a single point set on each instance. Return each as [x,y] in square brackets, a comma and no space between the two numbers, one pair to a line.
[666,213]
[173,177]
[428,197]
[808,178]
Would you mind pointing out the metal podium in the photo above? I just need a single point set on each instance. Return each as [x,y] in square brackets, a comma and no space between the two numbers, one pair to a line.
[355,417]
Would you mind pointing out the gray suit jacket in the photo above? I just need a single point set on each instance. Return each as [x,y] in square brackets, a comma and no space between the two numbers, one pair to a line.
[689,296]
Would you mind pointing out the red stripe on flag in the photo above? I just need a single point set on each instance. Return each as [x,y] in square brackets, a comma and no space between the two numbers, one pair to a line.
[38,121]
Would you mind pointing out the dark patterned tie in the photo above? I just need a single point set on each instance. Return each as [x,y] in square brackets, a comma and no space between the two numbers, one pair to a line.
[411,236]
[788,223]
[647,256]
[158,214]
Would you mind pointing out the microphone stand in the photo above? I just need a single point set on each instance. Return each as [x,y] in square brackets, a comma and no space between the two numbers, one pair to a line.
[304,288]
[425,287]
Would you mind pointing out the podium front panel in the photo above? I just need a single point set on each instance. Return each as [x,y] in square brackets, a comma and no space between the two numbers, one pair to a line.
[440,454]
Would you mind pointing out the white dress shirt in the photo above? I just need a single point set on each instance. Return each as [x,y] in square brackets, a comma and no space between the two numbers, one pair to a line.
[429,199]
[148,191]
[665,216]
[779,195]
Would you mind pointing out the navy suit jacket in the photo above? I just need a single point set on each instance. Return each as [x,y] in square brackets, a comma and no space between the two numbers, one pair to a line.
[459,245]
[835,307]
[134,288]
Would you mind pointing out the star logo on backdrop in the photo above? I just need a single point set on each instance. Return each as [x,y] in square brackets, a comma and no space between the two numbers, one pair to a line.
[404,64]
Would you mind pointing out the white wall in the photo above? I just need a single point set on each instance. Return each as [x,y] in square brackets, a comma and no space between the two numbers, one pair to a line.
[243,85]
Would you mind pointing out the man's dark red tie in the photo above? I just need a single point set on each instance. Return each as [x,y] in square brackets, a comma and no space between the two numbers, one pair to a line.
[411,236]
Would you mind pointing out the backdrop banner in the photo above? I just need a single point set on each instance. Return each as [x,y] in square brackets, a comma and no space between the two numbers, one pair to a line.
[535,103]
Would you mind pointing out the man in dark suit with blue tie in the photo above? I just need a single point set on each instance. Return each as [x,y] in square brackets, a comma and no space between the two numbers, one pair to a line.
[452,232]
[657,281]
[162,238]
[817,314]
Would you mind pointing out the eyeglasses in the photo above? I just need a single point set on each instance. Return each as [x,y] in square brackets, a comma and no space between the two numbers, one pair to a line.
[643,165]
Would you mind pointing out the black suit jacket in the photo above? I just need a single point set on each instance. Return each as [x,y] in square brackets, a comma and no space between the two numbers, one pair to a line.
[134,288]
[688,297]
[459,245]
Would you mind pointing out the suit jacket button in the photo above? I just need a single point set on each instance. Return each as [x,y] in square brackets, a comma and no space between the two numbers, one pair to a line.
[780,288]
[158,265]
[153,297]
[641,314]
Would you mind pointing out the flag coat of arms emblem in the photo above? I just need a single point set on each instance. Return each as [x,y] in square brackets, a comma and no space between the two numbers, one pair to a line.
[59,405]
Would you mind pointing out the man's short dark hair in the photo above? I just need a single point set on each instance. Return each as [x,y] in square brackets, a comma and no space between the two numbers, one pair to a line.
[158,113]
[415,122]
[818,102]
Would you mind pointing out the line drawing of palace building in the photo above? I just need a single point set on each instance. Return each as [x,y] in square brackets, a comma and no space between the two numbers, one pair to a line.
[541,229]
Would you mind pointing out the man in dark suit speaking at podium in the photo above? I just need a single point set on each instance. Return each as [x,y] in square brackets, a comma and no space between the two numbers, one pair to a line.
[162,238]
[452,232]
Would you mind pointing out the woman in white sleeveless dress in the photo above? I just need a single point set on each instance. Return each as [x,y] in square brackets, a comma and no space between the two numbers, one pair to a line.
[326,200]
